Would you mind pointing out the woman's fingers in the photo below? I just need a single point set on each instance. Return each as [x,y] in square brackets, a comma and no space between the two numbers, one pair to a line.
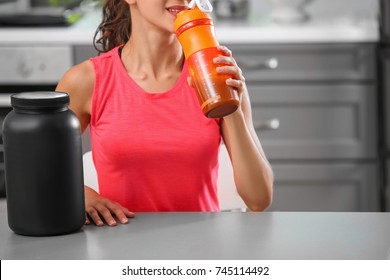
[107,212]
[87,221]
[94,215]
[227,65]
[224,60]
[120,212]
[225,50]
[231,70]
[234,83]
[127,212]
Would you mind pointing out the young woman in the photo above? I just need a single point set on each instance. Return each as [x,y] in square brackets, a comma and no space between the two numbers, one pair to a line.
[153,148]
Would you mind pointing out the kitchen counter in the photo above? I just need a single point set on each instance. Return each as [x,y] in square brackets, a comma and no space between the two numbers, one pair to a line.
[225,235]
[258,28]
[80,33]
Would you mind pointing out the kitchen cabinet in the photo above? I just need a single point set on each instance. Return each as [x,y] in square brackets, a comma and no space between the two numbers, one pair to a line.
[34,65]
[384,61]
[306,62]
[316,121]
[314,109]
[83,52]
[349,187]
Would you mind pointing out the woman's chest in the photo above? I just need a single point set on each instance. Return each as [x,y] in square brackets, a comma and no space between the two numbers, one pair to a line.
[157,128]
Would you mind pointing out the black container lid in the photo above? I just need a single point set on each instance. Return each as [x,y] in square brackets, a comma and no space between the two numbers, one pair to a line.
[40,99]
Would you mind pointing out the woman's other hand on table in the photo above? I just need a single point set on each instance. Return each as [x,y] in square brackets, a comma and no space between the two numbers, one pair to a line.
[100,209]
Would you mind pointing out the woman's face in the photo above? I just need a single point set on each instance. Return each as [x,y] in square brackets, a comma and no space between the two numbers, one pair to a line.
[159,13]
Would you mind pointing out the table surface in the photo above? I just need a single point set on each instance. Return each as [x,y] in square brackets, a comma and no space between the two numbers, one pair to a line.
[222,236]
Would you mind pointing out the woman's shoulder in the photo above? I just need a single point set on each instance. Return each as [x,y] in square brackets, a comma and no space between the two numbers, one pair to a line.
[79,75]
[79,82]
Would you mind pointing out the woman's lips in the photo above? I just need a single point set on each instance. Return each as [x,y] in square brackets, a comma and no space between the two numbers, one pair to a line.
[174,10]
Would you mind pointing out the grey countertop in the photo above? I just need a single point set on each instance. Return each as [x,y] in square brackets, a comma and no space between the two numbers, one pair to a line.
[341,21]
[223,236]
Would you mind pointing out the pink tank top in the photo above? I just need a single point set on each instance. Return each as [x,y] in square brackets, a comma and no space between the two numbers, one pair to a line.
[152,152]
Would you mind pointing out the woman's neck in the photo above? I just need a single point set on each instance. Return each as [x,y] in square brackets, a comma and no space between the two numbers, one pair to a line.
[153,61]
[153,54]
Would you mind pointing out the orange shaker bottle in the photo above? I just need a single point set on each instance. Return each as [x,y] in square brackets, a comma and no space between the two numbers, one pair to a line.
[195,31]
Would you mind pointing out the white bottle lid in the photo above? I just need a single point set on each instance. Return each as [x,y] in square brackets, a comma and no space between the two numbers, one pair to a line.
[203,5]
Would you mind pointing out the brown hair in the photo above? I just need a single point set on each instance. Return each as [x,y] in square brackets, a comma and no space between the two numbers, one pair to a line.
[115,27]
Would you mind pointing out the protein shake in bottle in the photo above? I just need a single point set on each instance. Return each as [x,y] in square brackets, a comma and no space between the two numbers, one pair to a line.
[195,31]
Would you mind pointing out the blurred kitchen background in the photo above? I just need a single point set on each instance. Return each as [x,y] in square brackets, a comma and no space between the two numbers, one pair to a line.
[318,73]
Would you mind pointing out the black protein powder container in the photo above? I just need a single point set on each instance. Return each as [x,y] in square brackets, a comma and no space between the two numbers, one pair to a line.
[43,165]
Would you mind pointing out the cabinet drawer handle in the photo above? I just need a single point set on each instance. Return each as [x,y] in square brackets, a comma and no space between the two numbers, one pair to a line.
[269,64]
[271,124]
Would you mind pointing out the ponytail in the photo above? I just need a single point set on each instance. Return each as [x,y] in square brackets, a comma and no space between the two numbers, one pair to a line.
[115,27]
